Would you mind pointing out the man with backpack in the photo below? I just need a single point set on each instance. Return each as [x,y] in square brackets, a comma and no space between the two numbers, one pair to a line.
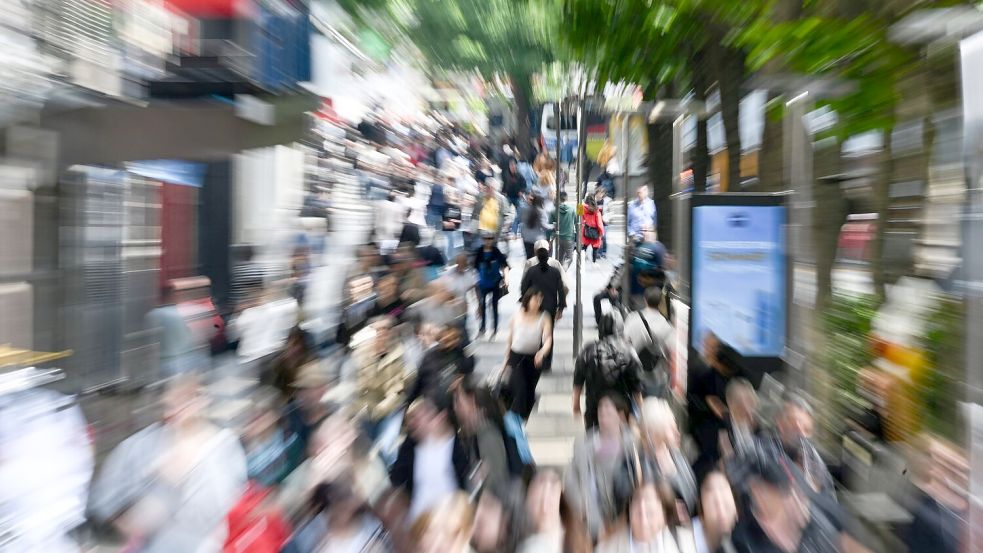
[651,334]
[608,365]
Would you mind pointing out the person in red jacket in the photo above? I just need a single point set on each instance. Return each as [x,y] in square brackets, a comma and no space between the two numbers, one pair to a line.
[593,227]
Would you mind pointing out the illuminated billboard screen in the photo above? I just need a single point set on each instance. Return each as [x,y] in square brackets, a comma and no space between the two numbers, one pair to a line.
[739,275]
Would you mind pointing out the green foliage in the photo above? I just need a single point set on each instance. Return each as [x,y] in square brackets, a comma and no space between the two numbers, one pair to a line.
[492,37]
[847,323]
[854,51]
[942,342]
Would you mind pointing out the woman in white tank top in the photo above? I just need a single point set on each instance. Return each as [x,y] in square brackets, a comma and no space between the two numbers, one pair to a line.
[530,341]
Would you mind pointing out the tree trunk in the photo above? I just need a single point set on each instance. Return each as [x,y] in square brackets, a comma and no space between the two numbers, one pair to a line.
[731,71]
[829,214]
[882,185]
[660,176]
[701,152]
[771,157]
[522,93]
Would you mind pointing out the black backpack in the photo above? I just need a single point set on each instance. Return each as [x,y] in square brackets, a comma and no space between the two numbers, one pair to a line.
[611,363]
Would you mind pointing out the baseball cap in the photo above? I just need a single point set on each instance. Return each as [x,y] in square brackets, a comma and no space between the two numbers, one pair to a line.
[542,245]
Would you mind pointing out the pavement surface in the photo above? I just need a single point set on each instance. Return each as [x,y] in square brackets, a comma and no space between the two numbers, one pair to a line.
[552,428]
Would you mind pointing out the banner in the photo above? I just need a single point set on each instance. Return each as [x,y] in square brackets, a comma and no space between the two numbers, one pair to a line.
[739,277]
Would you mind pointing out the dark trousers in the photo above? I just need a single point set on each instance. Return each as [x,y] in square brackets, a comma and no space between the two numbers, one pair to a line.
[496,294]
[566,252]
[530,249]
[523,380]
[595,252]
[604,245]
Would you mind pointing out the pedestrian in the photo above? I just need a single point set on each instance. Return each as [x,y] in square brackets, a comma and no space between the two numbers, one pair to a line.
[379,382]
[609,365]
[247,279]
[170,486]
[743,432]
[451,222]
[495,523]
[389,216]
[446,528]
[652,336]
[551,522]
[357,308]
[607,215]
[490,209]
[706,401]
[514,187]
[530,340]
[432,463]
[713,527]
[460,281]
[783,517]
[387,301]
[493,277]
[792,442]
[647,269]
[410,233]
[341,522]
[271,453]
[305,409]
[563,221]
[180,353]
[593,228]
[611,295]
[661,452]
[436,205]
[643,521]
[546,275]
[483,431]
[598,460]
[641,214]
[442,364]
[534,224]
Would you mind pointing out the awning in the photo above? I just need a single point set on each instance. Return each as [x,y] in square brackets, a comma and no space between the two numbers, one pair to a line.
[187,129]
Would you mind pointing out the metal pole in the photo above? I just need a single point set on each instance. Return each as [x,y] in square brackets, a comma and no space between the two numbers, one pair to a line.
[625,145]
[798,176]
[556,204]
[578,309]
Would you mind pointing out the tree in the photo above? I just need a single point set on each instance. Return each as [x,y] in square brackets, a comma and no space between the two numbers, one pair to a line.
[496,38]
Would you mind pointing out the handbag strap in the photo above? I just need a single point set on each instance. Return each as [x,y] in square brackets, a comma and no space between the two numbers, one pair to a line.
[652,340]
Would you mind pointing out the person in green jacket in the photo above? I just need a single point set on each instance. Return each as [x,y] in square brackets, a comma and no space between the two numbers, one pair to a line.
[566,229]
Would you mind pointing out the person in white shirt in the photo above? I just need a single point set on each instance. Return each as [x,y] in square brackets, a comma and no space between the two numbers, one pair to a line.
[651,335]
[389,218]
[431,465]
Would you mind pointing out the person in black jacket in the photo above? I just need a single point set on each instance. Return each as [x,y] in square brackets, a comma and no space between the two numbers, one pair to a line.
[548,279]
[411,231]
[433,441]
[513,186]
[442,365]
[607,366]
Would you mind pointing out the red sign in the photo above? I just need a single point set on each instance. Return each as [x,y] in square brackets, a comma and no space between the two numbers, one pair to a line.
[206,8]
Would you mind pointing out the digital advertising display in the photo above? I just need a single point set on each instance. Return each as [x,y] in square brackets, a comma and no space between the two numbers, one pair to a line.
[739,274]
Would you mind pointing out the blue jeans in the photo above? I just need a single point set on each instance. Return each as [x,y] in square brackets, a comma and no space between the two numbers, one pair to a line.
[434,220]
[517,204]
[451,237]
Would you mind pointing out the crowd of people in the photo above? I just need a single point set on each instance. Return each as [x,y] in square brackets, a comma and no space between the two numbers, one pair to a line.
[394,442]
